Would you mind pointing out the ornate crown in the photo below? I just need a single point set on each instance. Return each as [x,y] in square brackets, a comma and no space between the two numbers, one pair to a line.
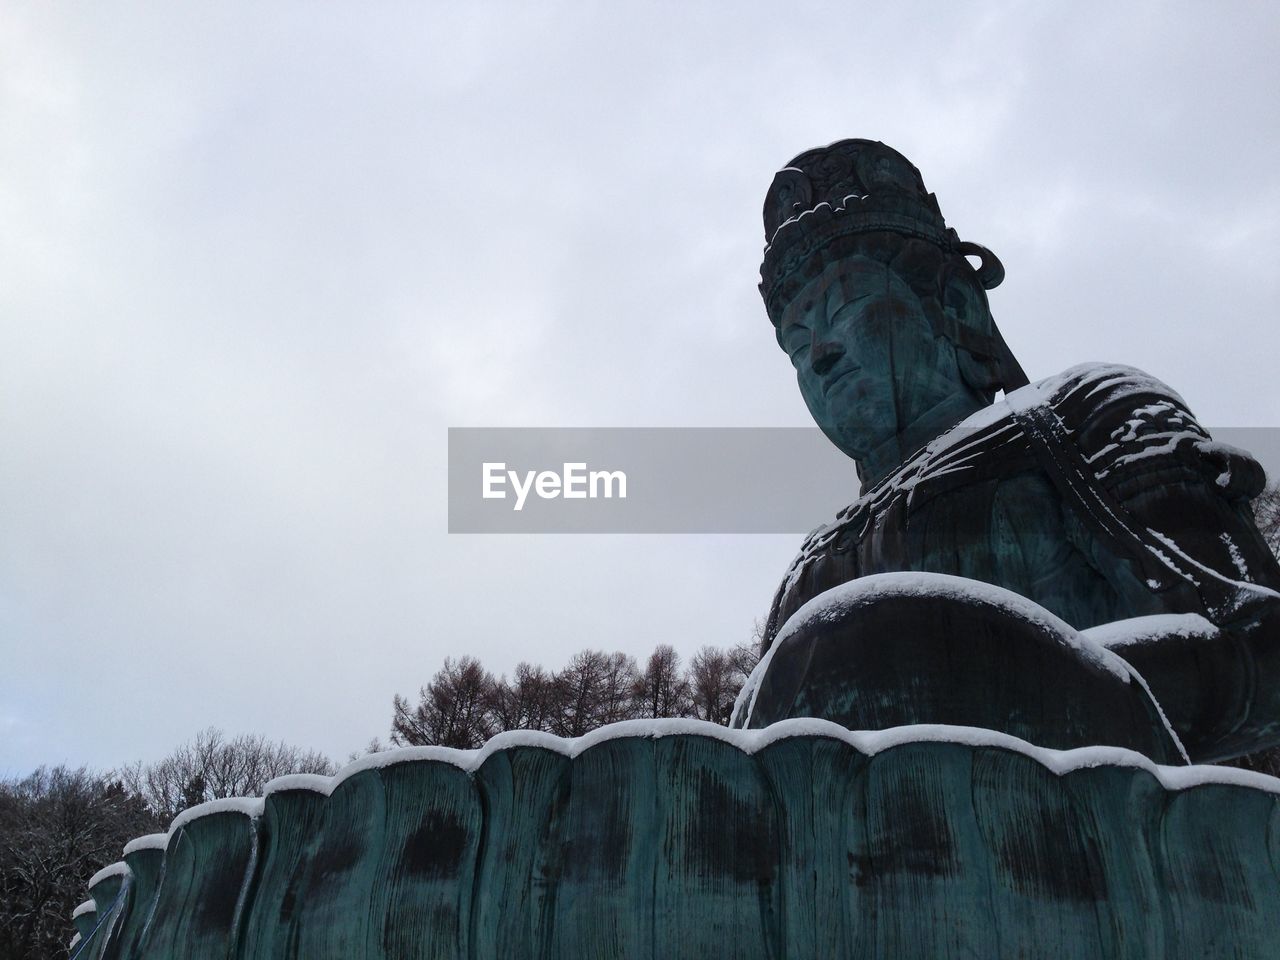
[850,187]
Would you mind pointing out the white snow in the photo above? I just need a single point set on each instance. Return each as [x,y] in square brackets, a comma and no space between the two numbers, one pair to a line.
[1058,761]
[1246,591]
[88,906]
[75,942]
[1123,633]
[118,869]
[1168,446]
[520,738]
[1144,417]
[1101,452]
[469,760]
[818,214]
[151,841]
[653,729]
[839,600]
[1184,778]
[1024,398]
[1167,560]
[869,743]
[1103,376]
[386,758]
[1236,557]
[249,806]
[297,781]
[1164,718]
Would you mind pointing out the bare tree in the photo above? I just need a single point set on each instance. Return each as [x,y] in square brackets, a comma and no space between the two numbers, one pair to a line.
[711,676]
[463,705]
[662,690]
[374,745]
[1266,513]
[577,694]
[594,689]
[57,828]
[527,702]
[454,710]
[210,766]
[617,691]
[716,676]
[744,656]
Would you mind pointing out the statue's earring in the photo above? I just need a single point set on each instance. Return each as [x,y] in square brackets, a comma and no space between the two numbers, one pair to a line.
[991,270]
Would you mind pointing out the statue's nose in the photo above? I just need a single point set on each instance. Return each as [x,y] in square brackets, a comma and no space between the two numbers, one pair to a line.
[824,357]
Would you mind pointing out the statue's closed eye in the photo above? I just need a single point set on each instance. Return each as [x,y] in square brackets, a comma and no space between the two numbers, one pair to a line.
[795,339]
[845,310]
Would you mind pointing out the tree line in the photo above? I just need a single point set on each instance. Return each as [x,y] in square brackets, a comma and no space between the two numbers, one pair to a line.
[59,826]
[212,766]
[464,704]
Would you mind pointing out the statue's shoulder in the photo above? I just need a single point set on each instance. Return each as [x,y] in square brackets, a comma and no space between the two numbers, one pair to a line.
[1107,412]
[1131,428]
[1094,394]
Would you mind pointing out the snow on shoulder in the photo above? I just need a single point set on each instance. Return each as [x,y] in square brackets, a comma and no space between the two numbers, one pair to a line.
[89,906]
[1138,630]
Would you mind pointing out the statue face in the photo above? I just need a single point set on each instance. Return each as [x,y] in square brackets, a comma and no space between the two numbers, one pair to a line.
[864,353]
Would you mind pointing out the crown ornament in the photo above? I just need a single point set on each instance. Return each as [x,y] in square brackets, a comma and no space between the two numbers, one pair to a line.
[828,195]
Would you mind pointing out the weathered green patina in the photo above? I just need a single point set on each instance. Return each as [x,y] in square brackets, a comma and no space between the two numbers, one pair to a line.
[1095,493]
[966,735]
[145,860]
[683,839]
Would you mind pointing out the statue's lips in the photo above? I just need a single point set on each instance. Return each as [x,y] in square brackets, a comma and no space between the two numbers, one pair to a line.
[831,381]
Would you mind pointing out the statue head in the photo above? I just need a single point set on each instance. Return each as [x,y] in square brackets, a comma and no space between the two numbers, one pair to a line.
[876,303]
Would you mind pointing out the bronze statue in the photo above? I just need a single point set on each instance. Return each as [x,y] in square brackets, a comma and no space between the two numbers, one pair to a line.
[1094,494]
[1002,552]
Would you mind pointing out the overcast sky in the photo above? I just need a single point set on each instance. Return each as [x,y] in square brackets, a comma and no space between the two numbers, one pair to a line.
[255,259]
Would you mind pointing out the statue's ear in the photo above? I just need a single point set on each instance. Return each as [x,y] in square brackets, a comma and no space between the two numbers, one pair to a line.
[967,323]
[985,361]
